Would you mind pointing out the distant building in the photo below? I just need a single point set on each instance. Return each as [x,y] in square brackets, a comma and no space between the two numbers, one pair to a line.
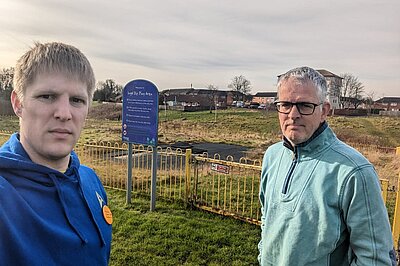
[351,102]
[388,103]
[264,97]
[334,83]
[201,98]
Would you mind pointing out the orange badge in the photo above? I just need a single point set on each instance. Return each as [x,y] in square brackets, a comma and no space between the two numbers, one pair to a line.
[107,214]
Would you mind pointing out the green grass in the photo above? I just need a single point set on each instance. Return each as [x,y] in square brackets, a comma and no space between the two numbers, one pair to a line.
[175,235]
[231,119]
[9,123]
[381,131]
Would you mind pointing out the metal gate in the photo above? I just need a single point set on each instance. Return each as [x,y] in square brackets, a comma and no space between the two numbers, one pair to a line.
[226,187]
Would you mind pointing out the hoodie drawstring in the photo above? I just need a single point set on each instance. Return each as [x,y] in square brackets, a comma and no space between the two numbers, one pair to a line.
[103,242]
[65,209]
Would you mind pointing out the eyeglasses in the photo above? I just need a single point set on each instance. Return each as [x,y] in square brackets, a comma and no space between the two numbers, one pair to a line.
[304,108]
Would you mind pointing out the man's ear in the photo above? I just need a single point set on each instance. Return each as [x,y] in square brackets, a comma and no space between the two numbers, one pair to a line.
[16,104]
[326,107]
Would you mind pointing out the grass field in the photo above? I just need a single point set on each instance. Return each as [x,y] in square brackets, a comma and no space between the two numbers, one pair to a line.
[175,235]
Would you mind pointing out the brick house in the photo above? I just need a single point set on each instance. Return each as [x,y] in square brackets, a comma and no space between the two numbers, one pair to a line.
[264,98]
[388,103]
[197,97]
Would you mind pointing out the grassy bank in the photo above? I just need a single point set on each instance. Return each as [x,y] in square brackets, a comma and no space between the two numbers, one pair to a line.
[252,128]
[175,235]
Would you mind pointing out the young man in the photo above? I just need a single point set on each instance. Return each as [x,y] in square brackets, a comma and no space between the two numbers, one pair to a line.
[52,209]
[321,199]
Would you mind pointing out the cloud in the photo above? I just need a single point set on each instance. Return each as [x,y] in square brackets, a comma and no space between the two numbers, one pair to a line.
[211,41]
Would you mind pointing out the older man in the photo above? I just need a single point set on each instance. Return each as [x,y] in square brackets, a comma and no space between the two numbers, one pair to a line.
[321,199]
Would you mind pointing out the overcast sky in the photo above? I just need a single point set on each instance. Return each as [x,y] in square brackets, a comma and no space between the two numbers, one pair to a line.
[176,43]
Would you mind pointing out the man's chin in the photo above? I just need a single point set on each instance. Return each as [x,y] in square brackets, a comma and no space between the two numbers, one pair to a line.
[295,139]
[60,154]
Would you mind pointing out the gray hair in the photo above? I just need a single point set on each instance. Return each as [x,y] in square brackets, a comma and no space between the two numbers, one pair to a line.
[305,74]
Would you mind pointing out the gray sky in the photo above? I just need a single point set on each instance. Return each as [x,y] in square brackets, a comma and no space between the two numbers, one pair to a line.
[175,43]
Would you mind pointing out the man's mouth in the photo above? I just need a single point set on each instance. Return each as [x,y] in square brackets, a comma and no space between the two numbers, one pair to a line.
[60,131]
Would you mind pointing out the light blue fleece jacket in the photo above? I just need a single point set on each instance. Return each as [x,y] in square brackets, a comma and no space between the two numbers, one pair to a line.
[322,205]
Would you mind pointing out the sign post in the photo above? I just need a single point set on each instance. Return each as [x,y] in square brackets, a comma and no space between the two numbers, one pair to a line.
[140,126]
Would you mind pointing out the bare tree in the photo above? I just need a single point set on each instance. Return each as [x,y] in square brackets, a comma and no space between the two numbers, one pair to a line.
[352,90]
[369,100]
[6,82]
[213,96]
[107,90]
[240,84]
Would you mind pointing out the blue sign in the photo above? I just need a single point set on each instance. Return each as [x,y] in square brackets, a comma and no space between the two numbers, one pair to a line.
[140,113]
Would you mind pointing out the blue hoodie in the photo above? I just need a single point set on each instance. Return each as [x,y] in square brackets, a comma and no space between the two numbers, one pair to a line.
[48,217]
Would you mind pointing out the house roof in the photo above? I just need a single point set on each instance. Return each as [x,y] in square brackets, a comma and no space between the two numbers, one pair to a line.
[388,100]
[327,73]
[266,94]
[180,91]
[193,91]
[324,73]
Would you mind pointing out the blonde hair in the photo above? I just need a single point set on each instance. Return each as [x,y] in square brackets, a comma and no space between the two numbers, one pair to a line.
[54,57]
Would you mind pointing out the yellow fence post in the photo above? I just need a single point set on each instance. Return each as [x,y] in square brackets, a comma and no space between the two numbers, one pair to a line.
[384,186]
[396,218]
[187,173]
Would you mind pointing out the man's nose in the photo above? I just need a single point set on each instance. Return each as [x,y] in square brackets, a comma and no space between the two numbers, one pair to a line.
[63,109]
[294,112]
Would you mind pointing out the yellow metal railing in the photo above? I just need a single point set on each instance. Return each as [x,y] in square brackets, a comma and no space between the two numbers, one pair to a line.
[110,161]
[396,216]
[227,187]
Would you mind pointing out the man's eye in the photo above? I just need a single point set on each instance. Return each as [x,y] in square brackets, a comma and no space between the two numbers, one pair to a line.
[286,105]
[307,105]
[78,100]
[45,96]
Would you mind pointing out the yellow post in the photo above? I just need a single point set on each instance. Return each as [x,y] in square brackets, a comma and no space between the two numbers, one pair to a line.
[384,186]
[187,173]
[396,218]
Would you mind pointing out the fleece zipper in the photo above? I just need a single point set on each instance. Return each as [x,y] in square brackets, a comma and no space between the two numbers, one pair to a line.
[290,172]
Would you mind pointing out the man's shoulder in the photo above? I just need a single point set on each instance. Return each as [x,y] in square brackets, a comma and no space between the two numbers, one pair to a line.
[348,153]
[86,169]
[87,172]
[274,148]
